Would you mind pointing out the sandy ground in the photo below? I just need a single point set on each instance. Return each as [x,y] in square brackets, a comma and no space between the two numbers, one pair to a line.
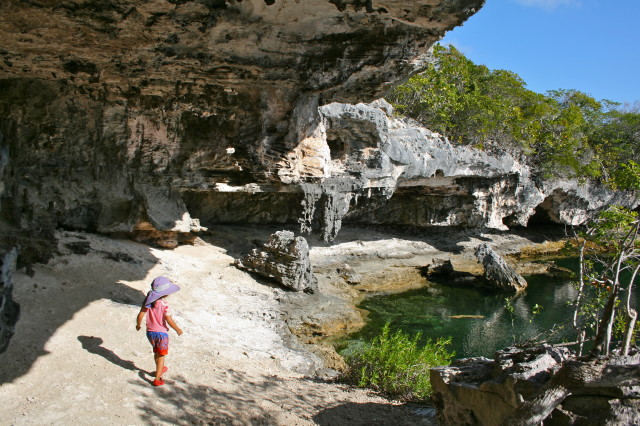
[76,357]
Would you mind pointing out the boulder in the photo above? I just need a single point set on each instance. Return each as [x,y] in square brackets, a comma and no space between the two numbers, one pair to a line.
[497,273]
[480,391]
[441,271]
[348,274]
[285,259]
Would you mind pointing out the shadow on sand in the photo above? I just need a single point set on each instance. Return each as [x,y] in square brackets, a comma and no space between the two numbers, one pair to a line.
[48,303]
[94,345]
[266,400]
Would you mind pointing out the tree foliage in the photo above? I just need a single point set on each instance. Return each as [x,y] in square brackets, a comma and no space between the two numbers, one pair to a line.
[562,133]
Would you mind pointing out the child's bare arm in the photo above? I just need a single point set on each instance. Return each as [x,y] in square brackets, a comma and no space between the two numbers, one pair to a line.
[140,317]
[173,324]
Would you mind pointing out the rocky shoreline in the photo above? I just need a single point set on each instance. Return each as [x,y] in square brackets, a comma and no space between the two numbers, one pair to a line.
[367,261]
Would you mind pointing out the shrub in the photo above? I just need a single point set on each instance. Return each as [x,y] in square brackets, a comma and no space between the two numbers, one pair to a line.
[394,364]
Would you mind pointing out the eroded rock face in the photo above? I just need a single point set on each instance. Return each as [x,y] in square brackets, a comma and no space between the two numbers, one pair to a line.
[386,170]
[9,309]
[105,102]
[480,391]
[148,118]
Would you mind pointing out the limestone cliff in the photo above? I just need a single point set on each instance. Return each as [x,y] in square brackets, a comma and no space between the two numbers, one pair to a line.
[407,175]
[146,118]
[112,110]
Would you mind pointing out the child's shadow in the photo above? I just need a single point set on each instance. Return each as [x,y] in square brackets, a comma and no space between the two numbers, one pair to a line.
[93,345]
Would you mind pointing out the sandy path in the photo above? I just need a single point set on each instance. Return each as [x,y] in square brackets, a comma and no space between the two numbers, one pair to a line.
[77,358]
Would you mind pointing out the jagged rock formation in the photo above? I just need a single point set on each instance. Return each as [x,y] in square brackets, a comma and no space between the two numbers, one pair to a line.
[498,273]
[384,170]
[285,259]
[105,102]
[480,391]
[410,175]
[147,118]
[10,310]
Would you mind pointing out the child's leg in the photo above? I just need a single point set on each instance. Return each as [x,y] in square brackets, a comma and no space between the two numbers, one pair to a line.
[159,365]
[160,343]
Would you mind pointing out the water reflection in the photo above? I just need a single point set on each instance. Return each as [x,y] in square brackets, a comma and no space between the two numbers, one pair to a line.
[478,321]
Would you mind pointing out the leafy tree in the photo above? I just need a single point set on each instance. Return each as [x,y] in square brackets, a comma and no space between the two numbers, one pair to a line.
[562,133]
[617,135]
[469,103]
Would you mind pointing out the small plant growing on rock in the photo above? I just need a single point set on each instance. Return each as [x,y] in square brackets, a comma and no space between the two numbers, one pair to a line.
[395,365]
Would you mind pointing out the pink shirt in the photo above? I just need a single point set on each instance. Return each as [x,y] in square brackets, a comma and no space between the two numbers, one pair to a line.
[156,316]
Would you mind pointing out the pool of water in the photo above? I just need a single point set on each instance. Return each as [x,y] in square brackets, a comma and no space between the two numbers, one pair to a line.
[479,322]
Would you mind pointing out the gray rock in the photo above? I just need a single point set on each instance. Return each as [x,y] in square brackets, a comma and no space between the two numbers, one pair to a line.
[439,268]
[285,259]
[9,309]
[497,273]
[104,139]
[86,132]
[347,273]
[478,391]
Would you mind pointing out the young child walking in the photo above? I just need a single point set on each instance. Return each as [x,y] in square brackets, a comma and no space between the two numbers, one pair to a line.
[158,318]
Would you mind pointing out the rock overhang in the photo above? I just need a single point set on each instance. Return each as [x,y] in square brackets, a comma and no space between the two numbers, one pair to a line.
[102,98]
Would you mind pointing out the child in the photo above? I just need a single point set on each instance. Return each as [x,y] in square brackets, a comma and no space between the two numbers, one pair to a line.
[157,320]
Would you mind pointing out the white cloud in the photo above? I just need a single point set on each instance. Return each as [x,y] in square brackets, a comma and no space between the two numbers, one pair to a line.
[548,4]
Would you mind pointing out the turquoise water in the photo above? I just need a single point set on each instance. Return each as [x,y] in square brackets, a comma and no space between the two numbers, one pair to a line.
[478,321]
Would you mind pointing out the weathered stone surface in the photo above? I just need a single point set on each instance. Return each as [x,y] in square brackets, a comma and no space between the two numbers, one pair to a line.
[284,258]
[479,391]
[104,105]
[347,273]
[497,272]
[442,271]
[484,392]
[404,174]
[144,117]
[9,310]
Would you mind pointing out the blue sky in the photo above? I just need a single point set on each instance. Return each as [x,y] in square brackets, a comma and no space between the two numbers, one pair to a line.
[588,45]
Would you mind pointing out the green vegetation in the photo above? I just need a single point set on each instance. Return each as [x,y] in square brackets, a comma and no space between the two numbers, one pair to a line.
[564,133]
[609,250]
[395,365]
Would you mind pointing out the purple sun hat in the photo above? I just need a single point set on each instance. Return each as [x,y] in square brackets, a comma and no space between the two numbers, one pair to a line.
[160,286]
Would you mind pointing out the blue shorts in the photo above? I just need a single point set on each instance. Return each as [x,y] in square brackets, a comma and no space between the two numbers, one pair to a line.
[159,341]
